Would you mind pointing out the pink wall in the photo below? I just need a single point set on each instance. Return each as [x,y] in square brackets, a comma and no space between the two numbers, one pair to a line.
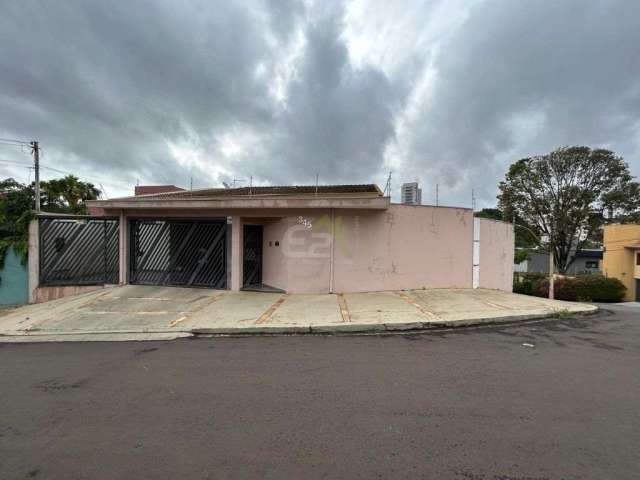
[496,254]
[274,264]
[405,247]
[301,261]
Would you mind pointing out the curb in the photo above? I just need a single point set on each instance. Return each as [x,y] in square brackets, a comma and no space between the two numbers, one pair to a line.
[40,335]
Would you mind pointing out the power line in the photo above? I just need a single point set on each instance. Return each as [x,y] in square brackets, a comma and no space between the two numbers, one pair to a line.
[17,163]
[14,142]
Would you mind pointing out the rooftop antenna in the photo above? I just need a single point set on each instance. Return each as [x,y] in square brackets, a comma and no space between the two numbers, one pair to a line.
[437,193]
[387,188]
[104,192]
[237,180]
[226,185]
[191,183]
[473,200]
[251,185]
[317,176]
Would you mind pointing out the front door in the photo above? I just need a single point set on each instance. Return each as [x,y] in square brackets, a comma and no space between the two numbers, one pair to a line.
[637,290]
[252,255]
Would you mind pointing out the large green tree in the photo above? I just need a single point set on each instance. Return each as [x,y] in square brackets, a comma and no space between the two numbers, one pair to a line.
[567,195]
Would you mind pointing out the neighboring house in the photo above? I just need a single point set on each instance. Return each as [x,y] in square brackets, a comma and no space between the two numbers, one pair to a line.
[298,239]
[13,280]
[622,257]
[141,190]
[586,261]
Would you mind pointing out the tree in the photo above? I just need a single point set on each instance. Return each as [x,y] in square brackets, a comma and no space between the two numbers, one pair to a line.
[16,210]
[567,195]
[67,195]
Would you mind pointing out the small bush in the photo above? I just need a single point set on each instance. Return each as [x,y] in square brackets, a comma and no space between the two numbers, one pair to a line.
[587,288]
[527,283]
[563,289]
[598,288]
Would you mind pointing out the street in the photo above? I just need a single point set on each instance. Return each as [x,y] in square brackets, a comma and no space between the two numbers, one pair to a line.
[554,399]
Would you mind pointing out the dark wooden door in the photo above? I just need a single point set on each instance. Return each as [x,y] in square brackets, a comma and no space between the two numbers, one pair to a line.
[252,263]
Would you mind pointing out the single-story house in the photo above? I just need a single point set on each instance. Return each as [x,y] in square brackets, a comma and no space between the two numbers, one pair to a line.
[586,261]
[296,239]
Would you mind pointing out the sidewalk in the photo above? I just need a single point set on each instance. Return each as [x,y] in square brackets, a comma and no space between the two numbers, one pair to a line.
[148,313]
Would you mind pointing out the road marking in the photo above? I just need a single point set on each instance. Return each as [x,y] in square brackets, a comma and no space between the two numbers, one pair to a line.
[411,301]
[266,316]
[344,308]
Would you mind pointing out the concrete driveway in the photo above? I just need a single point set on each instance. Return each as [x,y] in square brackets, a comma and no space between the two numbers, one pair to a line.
[141,313]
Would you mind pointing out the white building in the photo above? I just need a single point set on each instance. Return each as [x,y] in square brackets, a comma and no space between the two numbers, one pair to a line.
[411,194]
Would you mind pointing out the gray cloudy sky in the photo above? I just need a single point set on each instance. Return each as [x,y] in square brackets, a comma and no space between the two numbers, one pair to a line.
[446,92]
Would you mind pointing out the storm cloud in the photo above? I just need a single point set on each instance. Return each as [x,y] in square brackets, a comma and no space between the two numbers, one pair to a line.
[280,90]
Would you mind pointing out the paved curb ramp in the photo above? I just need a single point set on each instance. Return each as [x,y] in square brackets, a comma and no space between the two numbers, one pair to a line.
[131,313]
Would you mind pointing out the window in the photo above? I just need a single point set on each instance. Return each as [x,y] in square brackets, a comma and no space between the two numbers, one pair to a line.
[638,258]
[592,264]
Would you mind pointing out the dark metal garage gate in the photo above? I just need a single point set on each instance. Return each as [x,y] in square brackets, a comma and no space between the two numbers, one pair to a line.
[78,250]
[188,253]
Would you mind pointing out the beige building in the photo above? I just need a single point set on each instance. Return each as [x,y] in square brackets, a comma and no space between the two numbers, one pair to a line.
[621,258]
[326,239]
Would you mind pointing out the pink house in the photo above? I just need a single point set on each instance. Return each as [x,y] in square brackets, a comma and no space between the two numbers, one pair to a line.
[305,239]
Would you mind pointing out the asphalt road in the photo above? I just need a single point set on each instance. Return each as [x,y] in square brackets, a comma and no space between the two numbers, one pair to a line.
[551,400]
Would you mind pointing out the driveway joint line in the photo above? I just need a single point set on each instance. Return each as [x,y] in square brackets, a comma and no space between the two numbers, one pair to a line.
[266,316]
[421,309]
[344,308]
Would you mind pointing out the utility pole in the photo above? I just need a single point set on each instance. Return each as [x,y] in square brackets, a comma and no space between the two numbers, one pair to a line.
[36,165]
[551,269]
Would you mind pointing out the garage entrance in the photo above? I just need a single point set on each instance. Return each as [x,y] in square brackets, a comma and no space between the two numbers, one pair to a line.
[186,253]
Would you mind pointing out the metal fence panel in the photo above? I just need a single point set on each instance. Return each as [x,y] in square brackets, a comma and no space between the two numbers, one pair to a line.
[190,253]
[77,251]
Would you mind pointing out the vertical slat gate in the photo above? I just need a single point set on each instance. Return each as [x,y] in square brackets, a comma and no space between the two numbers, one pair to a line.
[78,251]
[189,253]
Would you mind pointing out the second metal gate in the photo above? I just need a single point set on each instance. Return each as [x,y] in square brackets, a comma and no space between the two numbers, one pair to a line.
[190,253]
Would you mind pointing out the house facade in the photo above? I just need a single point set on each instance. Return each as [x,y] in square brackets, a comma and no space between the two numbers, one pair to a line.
[586,261]
[621,257]
[304,239]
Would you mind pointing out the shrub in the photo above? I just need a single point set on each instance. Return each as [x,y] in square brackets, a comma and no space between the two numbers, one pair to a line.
[563,289]
[587,288]
[598,288]
[527,283]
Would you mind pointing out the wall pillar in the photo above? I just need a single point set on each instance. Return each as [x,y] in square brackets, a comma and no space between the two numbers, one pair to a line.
[34,259]
[123,246]
[237,242]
